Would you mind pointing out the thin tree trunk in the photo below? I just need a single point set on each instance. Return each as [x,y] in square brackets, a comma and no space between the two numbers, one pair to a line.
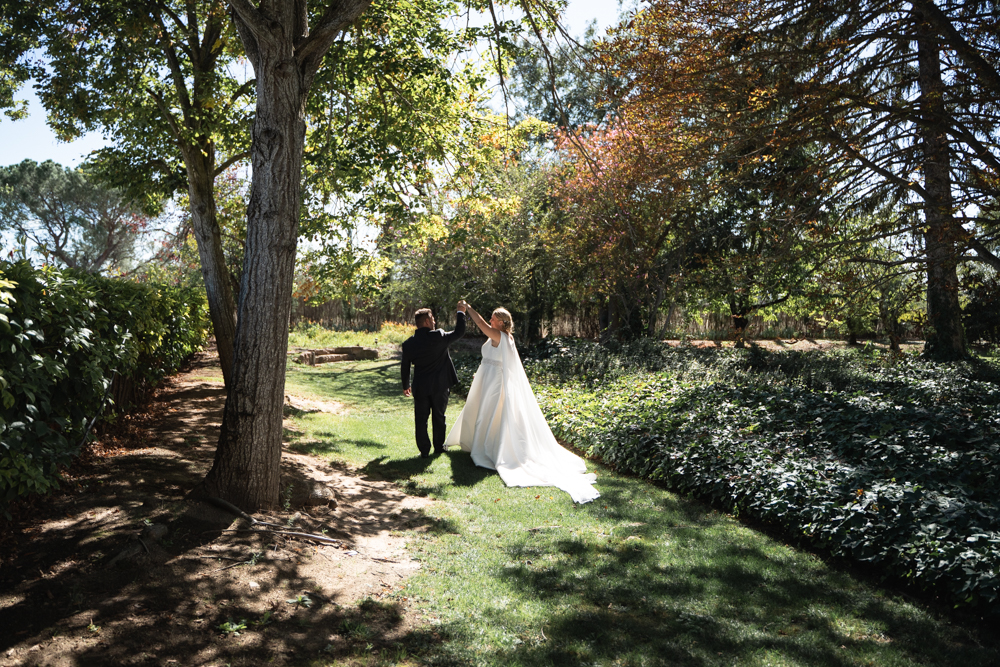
[666,322]
[946,338]
[654,311]
[218,288]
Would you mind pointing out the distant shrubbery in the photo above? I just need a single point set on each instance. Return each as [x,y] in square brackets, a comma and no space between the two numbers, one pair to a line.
[63,335]
[314,335]
[981,315]
[888,460]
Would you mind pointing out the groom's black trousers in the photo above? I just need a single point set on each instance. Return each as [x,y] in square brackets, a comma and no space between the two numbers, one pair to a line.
[434,406]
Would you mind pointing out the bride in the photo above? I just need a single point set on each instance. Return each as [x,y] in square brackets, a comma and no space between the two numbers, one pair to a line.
[503,427]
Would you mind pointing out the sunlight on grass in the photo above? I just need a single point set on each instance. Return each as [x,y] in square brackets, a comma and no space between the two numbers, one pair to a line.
[312,335]
[523,576]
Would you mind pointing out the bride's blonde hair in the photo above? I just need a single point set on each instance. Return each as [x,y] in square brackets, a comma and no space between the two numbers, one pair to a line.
[506,319]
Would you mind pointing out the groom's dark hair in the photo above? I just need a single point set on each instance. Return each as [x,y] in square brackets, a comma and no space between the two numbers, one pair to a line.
[422,315]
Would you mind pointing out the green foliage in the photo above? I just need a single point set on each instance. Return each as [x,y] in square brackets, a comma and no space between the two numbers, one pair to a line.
[66,218]
[887,460]
[981,315]
[300,601]
[234,628]
[166,89]
[18,37]
[484,238]
[523,576]
[312,335]
[63,335]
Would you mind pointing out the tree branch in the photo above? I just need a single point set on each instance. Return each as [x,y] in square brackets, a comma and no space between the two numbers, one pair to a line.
[884,262]
[230,162]
[337,17]
[984,254]
[943,24]
[173,63]
[167,116]
[248,14]
[878,169]
[245,89]
[250,26]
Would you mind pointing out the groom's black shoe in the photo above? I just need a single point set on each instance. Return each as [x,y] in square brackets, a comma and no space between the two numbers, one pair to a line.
[438,450]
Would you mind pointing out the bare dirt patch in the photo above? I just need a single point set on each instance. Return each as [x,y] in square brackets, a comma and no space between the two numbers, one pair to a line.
[90,579]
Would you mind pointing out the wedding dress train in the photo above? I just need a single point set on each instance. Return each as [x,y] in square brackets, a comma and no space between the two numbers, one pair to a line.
[503,428]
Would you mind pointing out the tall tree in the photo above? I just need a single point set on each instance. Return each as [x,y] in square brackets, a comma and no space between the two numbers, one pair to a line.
[621,197]
[162,81]
[285,42]
[285,52]
[67,219]
[901,99]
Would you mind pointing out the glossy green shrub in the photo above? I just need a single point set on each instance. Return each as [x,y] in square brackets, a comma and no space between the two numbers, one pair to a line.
[63,335]
[895,462]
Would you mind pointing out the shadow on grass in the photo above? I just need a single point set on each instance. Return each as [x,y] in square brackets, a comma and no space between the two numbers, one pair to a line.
[632,609]
[396,470]
[363,385]
[330,444]
[673,583]
[463,471]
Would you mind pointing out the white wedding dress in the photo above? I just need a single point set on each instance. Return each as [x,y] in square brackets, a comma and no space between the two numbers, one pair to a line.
[503,428]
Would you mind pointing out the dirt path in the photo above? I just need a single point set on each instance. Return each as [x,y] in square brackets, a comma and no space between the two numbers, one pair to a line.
[83,584]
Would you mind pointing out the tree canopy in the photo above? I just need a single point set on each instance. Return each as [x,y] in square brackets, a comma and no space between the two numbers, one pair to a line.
[67,219]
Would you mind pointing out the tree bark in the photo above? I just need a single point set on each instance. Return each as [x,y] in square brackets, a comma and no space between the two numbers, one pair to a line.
[285,58]
[247,461]
[739,310]
[204,220]
[946,338]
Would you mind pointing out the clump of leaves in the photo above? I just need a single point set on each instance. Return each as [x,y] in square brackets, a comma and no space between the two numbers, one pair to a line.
[264,620]
[356,630]
[893,461]
[234,628]
[300,601]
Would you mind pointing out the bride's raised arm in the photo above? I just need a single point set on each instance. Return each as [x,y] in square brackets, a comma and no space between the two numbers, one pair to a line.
[484,326]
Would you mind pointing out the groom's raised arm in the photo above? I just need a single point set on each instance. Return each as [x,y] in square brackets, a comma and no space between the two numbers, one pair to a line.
[451,336]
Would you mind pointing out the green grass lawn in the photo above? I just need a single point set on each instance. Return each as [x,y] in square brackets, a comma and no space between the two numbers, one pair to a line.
[639,577]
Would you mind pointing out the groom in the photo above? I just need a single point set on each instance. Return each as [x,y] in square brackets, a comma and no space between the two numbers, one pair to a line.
[433,375]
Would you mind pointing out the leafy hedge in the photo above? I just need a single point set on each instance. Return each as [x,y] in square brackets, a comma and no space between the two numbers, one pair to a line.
[890,461]
[63,335]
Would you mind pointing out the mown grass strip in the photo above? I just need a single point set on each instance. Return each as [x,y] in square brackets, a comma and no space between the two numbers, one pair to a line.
[640,577]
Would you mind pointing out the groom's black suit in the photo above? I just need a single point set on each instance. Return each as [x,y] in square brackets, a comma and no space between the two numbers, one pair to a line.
[433,376]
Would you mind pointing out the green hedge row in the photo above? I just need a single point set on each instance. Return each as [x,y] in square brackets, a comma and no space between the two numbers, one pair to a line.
[893,462]
[63,336]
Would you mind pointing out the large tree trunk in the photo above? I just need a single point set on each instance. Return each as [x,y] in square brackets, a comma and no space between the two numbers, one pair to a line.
[946,338]
[285,57]
[247,462]
[204,220]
